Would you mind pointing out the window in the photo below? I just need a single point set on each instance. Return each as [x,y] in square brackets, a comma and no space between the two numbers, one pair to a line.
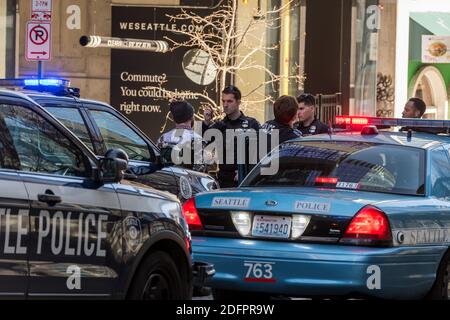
[117,134]
[349,165]
[72,119]
[440,173]
[39,146]
[7,38]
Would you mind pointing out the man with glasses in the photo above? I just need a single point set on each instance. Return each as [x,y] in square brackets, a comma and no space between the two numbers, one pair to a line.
[237,121]
[308,123]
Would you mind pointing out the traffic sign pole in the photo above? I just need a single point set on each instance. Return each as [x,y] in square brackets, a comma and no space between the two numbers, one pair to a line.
[39,69]
[39,36]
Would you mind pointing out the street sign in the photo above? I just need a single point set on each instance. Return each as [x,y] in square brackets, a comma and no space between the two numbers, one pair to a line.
[38,41]
[41,10]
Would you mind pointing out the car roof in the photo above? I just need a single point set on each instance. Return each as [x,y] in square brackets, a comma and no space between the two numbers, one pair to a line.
[418,140]
[16,94]
[36,95]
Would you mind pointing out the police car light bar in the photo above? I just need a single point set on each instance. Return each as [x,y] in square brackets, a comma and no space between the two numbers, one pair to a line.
[34,83]
[358,121]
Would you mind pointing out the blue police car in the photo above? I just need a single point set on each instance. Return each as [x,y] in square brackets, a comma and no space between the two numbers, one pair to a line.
[361,213]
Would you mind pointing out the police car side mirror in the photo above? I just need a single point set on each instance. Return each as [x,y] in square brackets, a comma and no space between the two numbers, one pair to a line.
[112,170]
[113,166]
[166,157]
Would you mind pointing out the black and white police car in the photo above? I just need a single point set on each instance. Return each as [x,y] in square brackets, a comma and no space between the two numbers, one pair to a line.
[68,228]
[101,127]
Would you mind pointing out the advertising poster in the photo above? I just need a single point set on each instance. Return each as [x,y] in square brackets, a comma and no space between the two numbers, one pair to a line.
[435,49]
[143,82]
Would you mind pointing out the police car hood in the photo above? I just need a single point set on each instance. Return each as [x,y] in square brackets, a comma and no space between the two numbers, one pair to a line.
[128,186]
[316,201]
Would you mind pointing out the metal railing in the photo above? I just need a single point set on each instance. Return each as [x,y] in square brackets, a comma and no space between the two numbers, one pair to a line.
[328,107]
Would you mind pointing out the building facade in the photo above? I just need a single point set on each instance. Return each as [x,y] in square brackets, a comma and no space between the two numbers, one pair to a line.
[357,48]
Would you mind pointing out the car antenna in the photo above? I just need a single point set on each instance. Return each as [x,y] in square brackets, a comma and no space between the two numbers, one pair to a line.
[330,129]
[409,135]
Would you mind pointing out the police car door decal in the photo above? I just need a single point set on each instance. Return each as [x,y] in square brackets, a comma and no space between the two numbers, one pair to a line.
[75,244]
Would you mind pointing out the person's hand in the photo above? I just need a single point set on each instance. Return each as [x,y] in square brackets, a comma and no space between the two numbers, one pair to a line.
[208,115]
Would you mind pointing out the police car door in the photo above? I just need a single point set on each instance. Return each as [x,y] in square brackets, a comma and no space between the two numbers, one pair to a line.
[14,220]
[74,225]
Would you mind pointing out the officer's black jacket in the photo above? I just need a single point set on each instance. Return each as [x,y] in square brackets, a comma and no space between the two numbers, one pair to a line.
[316,127]
[242,123]
[285,132]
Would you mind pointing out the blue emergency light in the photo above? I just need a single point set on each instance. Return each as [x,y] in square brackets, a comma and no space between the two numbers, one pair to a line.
[48,82]
[52,85]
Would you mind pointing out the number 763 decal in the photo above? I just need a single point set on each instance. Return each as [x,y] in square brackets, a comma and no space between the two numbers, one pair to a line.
[259,271]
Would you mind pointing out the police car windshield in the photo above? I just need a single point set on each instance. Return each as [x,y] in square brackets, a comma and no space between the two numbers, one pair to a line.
[344,165]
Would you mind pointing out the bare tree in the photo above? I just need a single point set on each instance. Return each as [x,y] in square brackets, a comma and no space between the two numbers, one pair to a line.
[231,48]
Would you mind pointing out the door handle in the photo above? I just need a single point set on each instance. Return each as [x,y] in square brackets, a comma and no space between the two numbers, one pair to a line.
[49,197]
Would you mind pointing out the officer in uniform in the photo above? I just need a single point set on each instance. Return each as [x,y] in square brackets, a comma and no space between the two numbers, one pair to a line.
[285,112]
[234,120]
[182,137]
[308,123]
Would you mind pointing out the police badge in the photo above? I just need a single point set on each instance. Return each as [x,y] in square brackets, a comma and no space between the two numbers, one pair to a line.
[132,233]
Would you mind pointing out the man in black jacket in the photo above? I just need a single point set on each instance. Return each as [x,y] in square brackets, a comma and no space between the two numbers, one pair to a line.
[237,121]
[308,123]
[285,112]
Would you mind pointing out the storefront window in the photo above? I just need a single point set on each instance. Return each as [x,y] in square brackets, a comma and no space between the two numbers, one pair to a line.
[284,33]
[364,59]
[7,38]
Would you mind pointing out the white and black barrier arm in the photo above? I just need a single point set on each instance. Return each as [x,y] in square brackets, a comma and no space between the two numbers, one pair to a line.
[124,43]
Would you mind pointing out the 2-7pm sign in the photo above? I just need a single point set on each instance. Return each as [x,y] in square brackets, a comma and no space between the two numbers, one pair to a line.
[41,5]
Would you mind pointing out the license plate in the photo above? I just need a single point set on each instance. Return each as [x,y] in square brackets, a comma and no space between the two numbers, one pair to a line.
[271,226]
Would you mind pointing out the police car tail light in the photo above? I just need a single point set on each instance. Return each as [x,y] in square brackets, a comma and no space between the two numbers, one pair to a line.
[299,224]
[242,221]
[190,213]
[369,226]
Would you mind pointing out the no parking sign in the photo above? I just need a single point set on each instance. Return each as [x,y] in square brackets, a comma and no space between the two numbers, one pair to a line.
[38,41]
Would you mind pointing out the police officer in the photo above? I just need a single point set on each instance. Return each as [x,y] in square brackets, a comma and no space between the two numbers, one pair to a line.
[182,137]
[308,123]
[234,120]
[285,112]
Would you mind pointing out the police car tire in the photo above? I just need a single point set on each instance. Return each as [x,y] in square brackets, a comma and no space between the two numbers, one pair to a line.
[439,291]
[222,294]
[158,265]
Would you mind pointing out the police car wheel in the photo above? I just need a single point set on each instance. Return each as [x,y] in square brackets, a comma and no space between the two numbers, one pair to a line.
[221,294]
[158,279]
[441,286]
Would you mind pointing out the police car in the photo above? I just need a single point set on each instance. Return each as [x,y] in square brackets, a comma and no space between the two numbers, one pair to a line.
[68,228]
[101,127]
[361,213]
